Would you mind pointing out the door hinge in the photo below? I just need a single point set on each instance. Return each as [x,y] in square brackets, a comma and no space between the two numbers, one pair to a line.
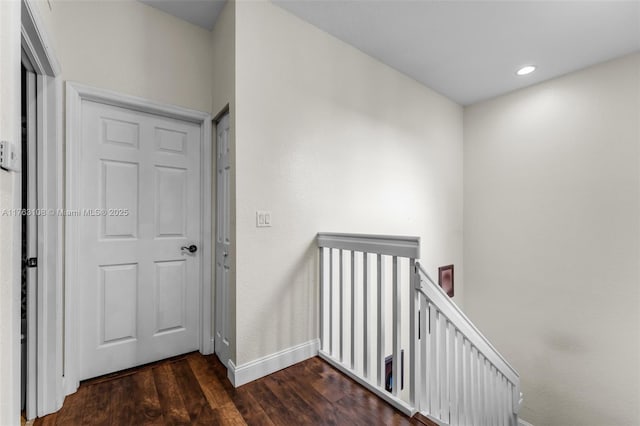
[32,262]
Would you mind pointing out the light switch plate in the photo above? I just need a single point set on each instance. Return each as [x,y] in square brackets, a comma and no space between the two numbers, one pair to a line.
[263,219]
[8,156]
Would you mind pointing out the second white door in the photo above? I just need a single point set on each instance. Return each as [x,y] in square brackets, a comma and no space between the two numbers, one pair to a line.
[139,264]
[223,239]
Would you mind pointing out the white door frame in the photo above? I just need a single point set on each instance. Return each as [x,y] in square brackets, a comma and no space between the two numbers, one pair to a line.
[37,52]
[75,94]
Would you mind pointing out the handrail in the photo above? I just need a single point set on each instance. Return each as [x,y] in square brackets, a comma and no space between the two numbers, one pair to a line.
[391,245]
[444,299]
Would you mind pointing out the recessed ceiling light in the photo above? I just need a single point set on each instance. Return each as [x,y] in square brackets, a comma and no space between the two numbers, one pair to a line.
[526,70]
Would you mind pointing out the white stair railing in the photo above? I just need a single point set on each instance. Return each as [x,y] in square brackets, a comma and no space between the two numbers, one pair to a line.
[463,379]
[375,300]
[358,273]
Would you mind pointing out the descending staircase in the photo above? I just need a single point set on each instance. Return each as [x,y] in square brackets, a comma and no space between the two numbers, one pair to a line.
[375,300]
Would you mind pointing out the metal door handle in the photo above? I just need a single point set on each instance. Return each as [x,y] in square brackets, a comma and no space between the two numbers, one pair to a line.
[191,249]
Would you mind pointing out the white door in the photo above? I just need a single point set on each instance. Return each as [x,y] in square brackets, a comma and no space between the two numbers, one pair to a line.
[223,239]
[138,282]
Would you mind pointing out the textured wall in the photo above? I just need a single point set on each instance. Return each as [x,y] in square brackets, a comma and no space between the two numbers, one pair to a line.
[131,48]
[329,139]
[551,240]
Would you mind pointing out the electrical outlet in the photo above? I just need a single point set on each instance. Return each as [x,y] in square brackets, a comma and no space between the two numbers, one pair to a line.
[8,156]
[263,219]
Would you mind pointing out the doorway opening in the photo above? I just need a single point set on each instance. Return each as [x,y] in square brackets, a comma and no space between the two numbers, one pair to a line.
[23,282]
[39,189]
[29,242]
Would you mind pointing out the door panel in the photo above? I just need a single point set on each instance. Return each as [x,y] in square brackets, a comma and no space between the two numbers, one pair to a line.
[140,186]
[223,239]
[171,287]
[119,294]
[119,188]
[121,133]
[171,209]
[171,141]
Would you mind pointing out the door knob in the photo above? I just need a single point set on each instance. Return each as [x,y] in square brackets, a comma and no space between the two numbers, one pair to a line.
[191,249]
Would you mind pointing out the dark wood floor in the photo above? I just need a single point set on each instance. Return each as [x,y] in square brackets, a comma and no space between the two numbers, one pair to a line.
[193,389]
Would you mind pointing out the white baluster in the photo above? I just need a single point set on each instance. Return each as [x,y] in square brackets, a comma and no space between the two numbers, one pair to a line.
[365,314]
[503,401]
[499,400]
[331,301]
[498,387]
[381,317]
[434,364]
[341,314]
[492,396]
[445,372]
[510,404]
[424,355]
[498,404]
[352,359]
[322,303]
[507,401]
[474,389]
[485,393]
[457,375]
[466,385]
[461,377]
[490,410]
[414,348]
[479,390]
[396,334]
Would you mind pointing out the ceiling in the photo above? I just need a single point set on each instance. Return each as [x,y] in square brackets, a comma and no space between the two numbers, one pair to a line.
[202,13]
[467,50]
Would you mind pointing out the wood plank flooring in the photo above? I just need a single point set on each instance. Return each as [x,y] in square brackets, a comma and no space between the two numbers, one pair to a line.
[193,390]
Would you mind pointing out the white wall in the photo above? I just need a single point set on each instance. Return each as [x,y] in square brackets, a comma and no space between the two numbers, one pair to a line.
[329,139]
[10,239]
[131,48]
[552,234]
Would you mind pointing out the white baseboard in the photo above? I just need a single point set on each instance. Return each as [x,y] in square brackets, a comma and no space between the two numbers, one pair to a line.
[523,423]
[245,373]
